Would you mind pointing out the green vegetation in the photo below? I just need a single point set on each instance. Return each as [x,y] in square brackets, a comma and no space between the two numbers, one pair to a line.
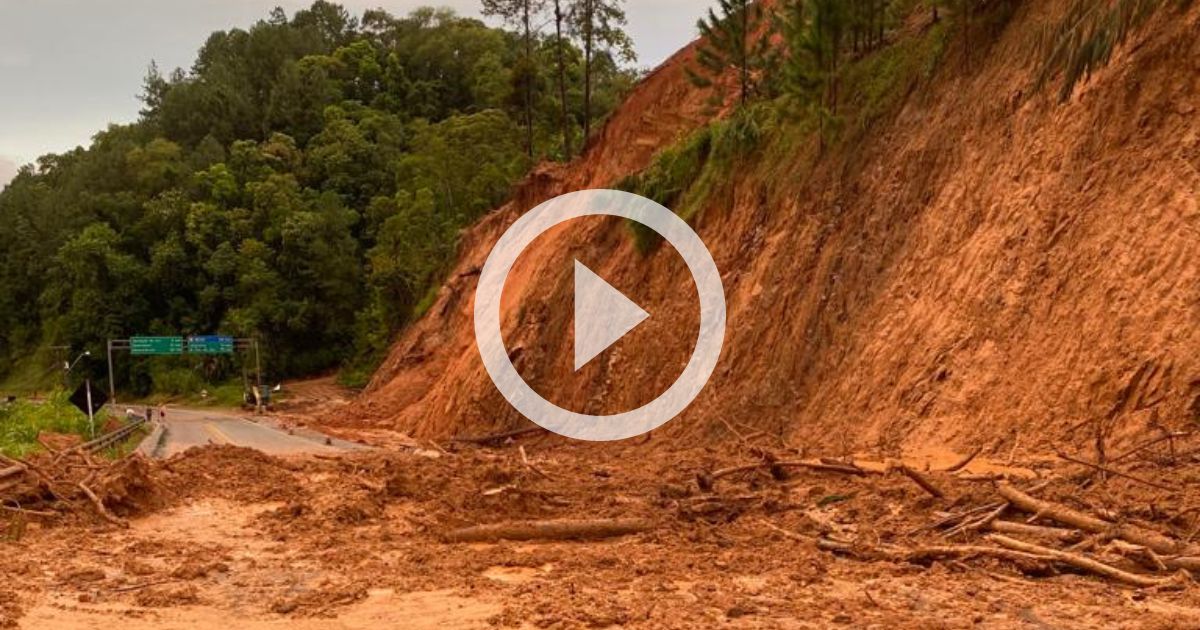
[304,182]
[684,176]
[1086,37]
[835,72]
[22,421]
[732,42]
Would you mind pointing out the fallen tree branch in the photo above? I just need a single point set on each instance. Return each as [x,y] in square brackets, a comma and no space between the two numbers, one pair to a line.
[706,480]
[21,510]
[1145,445]
[108,516]
[498,437]
[550,530]
[962,463]
[1063,514]
[920,480]
[1113,471]
[1083,562]
[926,553]
[15,469]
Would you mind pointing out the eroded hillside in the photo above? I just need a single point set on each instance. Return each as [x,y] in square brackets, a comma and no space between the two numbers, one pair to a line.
[985,266]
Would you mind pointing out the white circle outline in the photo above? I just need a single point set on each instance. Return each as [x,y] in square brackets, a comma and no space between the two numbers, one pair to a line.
[489,338]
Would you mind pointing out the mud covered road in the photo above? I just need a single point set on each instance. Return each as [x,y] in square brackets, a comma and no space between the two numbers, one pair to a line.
[221,536]
[188,428]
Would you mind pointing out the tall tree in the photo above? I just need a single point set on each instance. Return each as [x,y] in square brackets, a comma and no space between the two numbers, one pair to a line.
[815,33]
[734,41]
[560,53]
[521,13]
[598,25]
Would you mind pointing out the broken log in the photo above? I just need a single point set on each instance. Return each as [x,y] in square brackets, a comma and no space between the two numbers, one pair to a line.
[1083,562]
[1063,514]
[1037,531]
[550,530]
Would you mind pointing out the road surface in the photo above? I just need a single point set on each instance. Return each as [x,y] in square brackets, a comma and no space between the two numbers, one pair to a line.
[185,428]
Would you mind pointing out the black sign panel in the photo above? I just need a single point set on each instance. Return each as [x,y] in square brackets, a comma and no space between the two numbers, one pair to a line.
[80,398]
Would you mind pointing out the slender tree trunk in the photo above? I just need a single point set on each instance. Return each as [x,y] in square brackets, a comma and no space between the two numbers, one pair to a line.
[562,80]
[745,60]
[528,79]
[588,34]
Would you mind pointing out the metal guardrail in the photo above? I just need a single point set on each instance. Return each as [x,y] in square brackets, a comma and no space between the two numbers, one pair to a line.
[114,437]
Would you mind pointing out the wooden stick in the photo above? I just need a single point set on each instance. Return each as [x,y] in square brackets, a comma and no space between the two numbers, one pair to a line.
[1063,514]
[529,464]
[15,469]
[845,469]
[1158,440]
[138,587]
[498,437]
[786,533]
[1083,562]
[21,510]
[920,480]
[550,530]
[1112,471]
[979,523]
[927,552]
[962,463]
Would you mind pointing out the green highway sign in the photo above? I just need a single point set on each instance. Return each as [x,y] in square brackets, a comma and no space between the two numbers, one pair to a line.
[156,345]
[210,344]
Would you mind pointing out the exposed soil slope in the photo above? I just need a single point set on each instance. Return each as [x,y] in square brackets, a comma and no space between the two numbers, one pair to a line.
[988,266]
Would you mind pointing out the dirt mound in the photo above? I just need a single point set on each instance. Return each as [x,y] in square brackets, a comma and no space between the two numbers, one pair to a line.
[128,488]
[220,471]
[987,267]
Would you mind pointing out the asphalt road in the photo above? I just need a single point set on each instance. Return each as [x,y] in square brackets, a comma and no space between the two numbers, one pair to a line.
[185,428]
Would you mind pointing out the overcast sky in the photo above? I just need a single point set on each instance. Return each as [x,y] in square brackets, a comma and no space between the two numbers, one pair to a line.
[70,67]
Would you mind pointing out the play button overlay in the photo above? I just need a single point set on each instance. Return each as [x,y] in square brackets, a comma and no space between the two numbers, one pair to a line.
[603,315]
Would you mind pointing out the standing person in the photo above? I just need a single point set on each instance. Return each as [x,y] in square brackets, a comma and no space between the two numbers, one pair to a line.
[149,413]
[162,412]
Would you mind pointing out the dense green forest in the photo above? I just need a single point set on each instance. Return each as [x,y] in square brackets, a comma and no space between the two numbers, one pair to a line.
[303,183]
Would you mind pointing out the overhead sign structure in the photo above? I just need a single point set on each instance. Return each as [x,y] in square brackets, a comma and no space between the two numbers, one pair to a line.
[210,344]
[156,345]
[204,345]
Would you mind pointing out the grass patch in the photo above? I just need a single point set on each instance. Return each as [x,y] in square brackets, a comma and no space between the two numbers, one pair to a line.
[22,421]
[684,176]
[878,83]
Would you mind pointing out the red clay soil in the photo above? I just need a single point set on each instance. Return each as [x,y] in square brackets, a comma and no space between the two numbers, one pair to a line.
[249,541]
[987,267]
